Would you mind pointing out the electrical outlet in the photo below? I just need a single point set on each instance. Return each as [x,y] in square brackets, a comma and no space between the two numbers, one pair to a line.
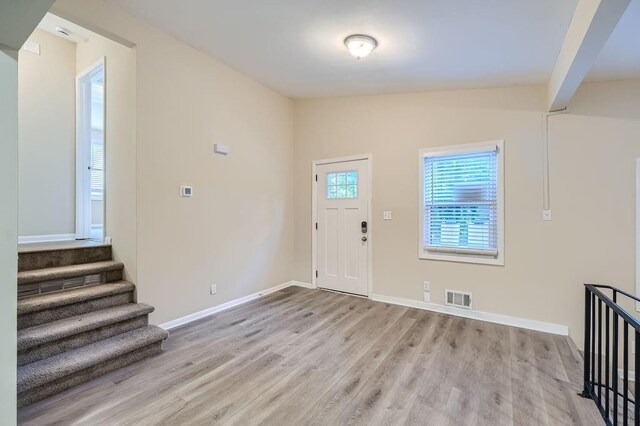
[426,286]
[213,289]
[427,296]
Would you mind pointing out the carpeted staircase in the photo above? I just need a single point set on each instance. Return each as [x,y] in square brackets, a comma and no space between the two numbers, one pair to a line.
[77,320]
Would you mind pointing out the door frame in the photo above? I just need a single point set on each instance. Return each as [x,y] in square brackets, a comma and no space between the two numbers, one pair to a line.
[83,203]
[314,215]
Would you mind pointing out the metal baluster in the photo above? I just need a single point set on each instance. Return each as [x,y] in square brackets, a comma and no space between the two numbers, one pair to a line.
[615,368]
[625,374]
[636,410]
[599,352]
[606,360]
[593,345]
[587,342]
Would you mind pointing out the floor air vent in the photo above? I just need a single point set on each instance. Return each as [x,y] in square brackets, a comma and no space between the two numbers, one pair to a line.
[459,299]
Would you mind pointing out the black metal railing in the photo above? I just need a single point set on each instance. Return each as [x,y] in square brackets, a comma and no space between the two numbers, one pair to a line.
[605,380]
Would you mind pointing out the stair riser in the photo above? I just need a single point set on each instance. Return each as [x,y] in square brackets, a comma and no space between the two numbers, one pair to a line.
[43,287]
[55,347]
[54,258]
[113,276]
[61,312]
[56,386]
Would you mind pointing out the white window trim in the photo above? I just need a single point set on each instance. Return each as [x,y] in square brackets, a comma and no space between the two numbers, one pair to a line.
[459,149]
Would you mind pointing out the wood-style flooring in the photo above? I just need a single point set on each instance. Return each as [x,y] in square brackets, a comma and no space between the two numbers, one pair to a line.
[299,356]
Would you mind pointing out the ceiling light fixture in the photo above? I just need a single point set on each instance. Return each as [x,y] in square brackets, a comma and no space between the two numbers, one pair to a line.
[360,45]
[63,31]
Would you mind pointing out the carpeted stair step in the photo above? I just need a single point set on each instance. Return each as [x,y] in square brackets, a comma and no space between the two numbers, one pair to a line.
[112,269]
[44,308]
[51,375]
[53,258]
[45,340]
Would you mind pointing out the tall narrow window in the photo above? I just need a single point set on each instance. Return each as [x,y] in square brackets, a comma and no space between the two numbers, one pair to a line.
[461,208]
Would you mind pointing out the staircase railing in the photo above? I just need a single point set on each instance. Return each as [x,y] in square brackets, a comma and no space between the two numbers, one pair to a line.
[605,380]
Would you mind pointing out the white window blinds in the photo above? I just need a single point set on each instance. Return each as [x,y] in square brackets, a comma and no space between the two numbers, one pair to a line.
[97,170]
[461,203]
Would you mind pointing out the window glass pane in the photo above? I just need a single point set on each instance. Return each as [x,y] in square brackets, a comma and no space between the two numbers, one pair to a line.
[342,185]
[460,196]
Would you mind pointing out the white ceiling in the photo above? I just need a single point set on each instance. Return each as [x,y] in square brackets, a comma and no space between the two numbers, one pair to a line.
[296,46]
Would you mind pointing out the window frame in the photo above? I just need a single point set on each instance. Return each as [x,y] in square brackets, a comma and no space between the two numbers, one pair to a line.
[461,149]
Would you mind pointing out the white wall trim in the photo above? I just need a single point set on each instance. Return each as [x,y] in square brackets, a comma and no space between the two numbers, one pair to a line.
[528,324]
[230,304]
[45,238]
[631,374]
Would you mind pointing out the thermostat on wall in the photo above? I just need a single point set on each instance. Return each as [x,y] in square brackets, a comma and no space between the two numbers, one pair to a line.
[186,191]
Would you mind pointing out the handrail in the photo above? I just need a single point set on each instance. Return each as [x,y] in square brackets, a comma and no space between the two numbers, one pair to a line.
[603,330]
[615,290]
[613,304]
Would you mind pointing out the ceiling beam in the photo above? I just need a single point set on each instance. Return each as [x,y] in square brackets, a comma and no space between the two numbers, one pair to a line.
[592,24]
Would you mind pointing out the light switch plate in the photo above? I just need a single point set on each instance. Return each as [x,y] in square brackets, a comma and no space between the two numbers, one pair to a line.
[387,215]
[546,214]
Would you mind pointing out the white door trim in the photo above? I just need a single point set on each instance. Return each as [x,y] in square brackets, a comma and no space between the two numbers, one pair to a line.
[83,221]
[314,215]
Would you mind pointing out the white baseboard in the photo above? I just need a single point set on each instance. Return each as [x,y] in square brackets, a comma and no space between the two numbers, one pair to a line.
[230,304]
[631,374]
[546,327]
[477,315]
[302,284]
[45,238]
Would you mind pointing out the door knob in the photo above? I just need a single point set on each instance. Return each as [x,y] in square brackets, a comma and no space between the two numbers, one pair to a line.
[364,238]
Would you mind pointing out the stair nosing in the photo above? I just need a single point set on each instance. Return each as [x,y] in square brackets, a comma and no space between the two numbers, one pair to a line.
[121,313]
[30,376]
[66,297]
[68,271]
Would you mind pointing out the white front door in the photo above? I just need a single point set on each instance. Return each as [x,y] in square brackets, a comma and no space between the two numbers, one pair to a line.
[343,226]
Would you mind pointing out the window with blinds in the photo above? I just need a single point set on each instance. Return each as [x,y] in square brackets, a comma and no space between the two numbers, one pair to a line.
[461,204]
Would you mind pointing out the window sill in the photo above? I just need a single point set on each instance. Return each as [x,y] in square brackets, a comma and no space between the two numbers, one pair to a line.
[462,258]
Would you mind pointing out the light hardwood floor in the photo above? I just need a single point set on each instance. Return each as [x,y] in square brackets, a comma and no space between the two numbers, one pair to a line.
[302,356]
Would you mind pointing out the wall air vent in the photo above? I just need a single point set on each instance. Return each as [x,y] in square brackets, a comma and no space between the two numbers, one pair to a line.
[459,299]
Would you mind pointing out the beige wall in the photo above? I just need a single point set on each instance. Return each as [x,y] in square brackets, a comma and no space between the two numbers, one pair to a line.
[236,231]
[8,230]
[120,146]
[593,151]
[46,199]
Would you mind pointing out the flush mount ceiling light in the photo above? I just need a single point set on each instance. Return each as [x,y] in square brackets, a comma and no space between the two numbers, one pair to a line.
[63,31]
[360,45]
